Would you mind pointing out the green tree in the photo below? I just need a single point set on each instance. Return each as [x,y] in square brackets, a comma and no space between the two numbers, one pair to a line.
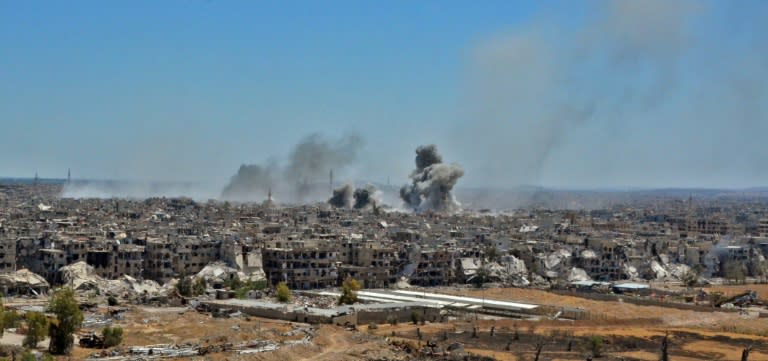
[349,289]
[113,336]
[11,319]
[283,293]
[248,286]
[200,286]
[184,286]
[68,320]
[37,328]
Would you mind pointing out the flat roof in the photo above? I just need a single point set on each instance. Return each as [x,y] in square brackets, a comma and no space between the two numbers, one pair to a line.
[635,286]
[471,300]
[274,306]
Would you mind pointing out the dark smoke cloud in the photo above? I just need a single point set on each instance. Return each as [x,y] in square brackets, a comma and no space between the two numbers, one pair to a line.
[342,197]
[305,176]
[427,155]
[348,197]
[432,182]
[366,197]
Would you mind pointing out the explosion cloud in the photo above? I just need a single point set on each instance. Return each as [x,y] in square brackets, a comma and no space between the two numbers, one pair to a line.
[342,196]
[347,196]
[432,182]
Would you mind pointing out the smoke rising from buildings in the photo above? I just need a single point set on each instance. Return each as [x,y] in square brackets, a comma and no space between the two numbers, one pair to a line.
[366,197]
[304,176]
[342,197]
[348,197]
[432,182]
[575,103]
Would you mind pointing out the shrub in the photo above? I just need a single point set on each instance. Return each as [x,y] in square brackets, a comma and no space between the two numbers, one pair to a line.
[112,301]
[28,356]
[248,286]
[113,336]
[283,293]
[11,319]
[415,317]
[199,287]
[233,282]
[596,346]
[392,320]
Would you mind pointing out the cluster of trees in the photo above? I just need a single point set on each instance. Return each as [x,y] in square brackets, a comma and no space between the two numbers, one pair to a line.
[64,320]
[190,287]
[8,319]
[242,288]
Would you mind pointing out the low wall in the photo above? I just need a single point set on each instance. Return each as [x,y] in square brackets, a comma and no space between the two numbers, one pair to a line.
[296,315]
[402,315]
[640,301]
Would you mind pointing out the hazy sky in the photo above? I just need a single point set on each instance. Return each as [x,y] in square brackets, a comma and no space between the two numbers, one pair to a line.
[567,94]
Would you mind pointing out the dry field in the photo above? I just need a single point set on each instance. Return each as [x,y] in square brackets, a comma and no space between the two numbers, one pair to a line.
[628,331]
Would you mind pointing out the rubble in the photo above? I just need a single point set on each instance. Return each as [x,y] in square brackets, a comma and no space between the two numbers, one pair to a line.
[138,249]
[23,281]
[80,276]
[578,274]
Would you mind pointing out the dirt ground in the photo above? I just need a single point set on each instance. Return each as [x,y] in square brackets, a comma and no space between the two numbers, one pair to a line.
[732,290]
[605,311]
[626,331]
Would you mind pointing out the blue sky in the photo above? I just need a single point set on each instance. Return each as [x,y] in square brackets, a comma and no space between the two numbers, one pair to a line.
[189,90]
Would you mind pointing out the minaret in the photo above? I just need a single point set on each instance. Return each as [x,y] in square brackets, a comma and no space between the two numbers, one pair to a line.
[36,179]
[331,181]
[69,175]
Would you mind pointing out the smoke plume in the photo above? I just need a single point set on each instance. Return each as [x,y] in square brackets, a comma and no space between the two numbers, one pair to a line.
[432,182]
[348,197]
[630,93]
[366,197]
[342,197]
[303,178]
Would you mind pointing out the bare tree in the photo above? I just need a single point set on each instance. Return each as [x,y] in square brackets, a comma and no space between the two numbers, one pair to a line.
[665,347]
[745,353]
[539,347]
